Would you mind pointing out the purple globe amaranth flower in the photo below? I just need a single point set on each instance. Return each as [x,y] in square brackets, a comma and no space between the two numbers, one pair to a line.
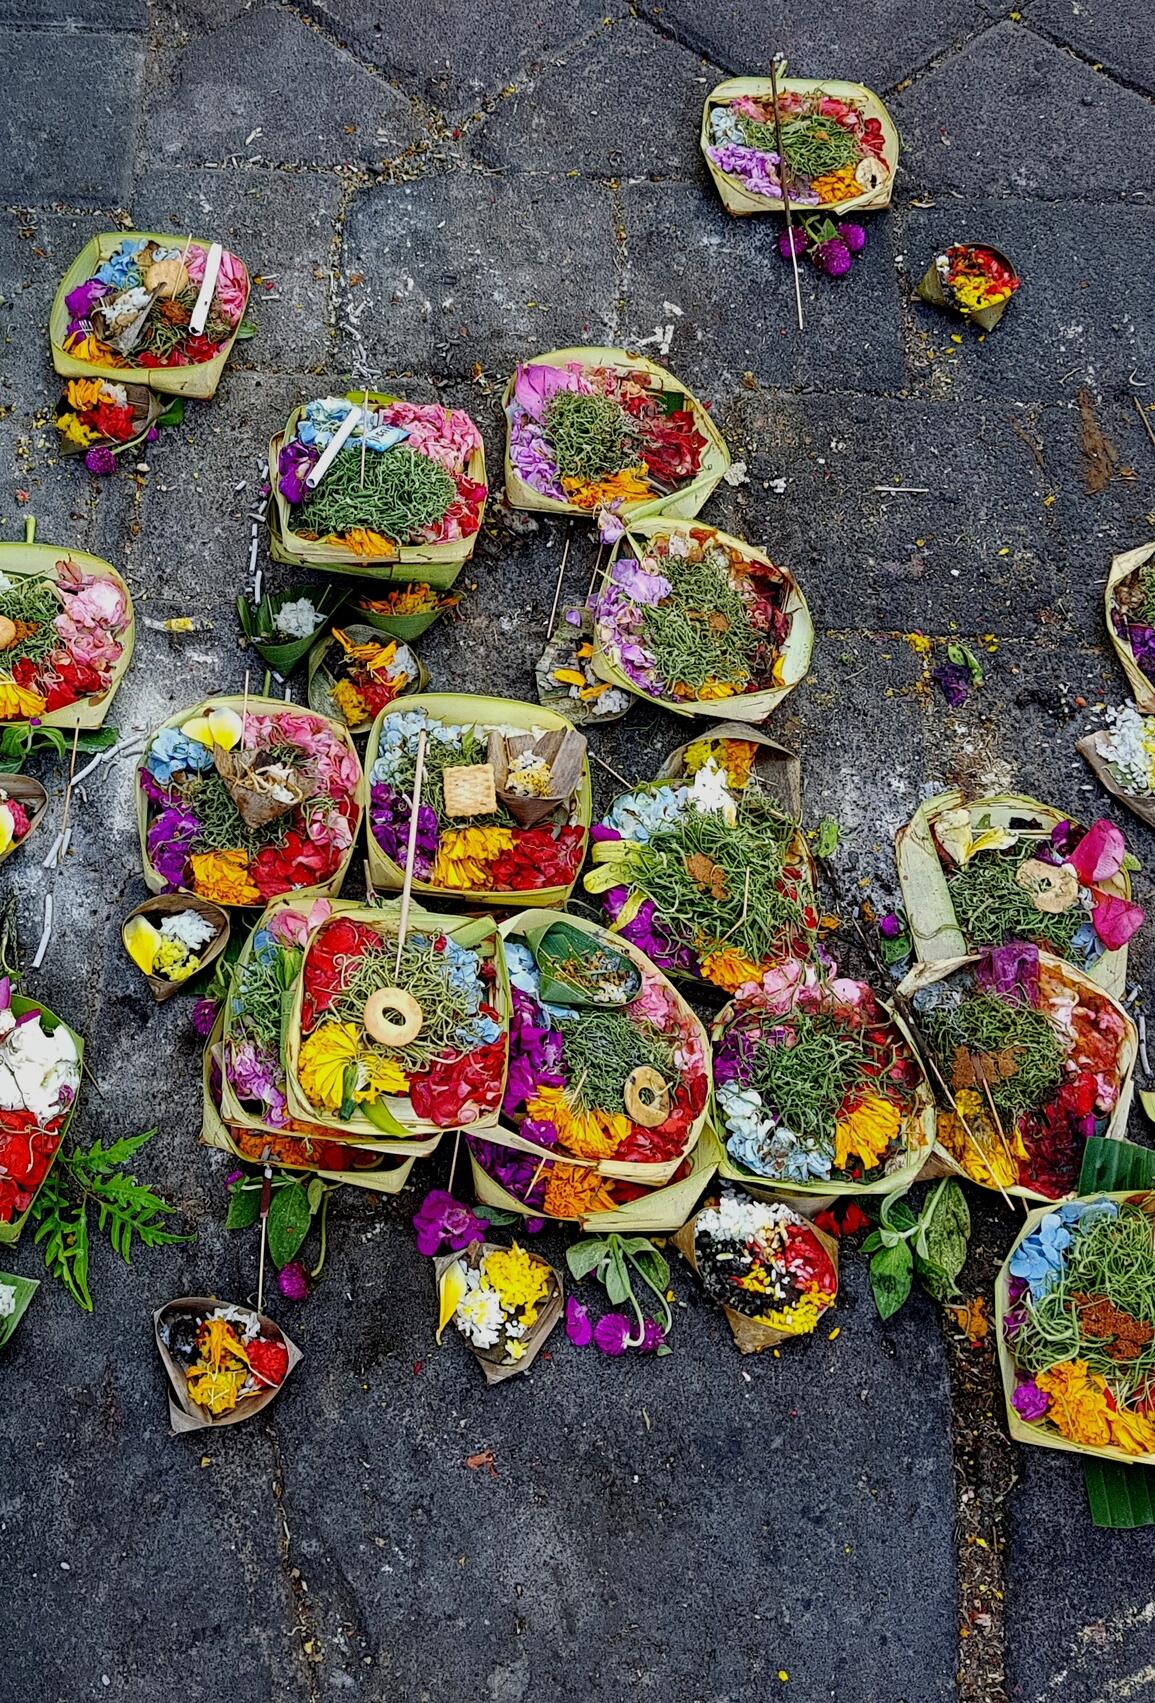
[440,1219]
[853,235]
[890,926]
[1142,642]
[204,1016]
[389,825]
[833,257]
[1030,1402]
[293,1281]
[653,1336]
[612,1333]
[233,1177]
[793,241]
[100,460]
[534,1226]
[577,1324]
[170,840]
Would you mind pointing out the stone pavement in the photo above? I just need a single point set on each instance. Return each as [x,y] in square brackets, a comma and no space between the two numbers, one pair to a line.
[436,192]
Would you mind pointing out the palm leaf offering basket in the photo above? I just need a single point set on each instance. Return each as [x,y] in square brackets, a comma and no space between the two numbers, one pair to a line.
[684,502]
[439,563]
[198,380]
[876,188]
[793,657]
[934,925]
[32,561]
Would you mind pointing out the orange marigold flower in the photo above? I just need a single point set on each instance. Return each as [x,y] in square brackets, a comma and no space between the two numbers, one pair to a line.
[574,1191]
[223,877]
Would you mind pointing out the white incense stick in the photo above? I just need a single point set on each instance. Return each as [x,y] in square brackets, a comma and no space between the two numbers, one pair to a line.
[411,848]
[364,433]
[200,313]
[560,578]
[337,442]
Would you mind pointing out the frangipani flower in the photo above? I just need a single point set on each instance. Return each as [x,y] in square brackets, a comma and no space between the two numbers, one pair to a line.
[955,834]
[221,727]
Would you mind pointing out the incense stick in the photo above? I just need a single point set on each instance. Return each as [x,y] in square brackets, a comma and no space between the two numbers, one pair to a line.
[364,432]
[266,1197]
[411,848]
[783,169]
[560,578]
[594,575]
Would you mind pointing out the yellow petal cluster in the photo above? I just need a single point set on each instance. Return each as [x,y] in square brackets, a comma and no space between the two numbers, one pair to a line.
[223,877]
[589,1135]
[803,1316]
[730,969]
[349,701]
[1079,1410]
[464,856]
[324,1058]
[363,542]
[866,1131]
[969,1135]
[521,1280]
[75,431]
[16,702]
[379,1076]
[628,486]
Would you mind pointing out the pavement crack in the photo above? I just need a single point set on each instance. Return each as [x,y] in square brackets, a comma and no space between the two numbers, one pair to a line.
[309,1649]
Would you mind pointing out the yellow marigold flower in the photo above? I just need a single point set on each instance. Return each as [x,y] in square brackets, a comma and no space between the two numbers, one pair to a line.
[325,1056]
[174,961]
[519,1278]
[84,393]
[1078,1402]
[74,430]
[465,855]
[866,1131]
[223,877]
[1133,1432]
[728,968]
[628,486]
[574,1191]
[17,703]
[590,1135]
[349,701]
[711,690]
[362,542]
[970,1137]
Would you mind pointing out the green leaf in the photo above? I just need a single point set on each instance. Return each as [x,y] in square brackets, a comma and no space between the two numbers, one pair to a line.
[1121,1498]
[246,329]
[826,838]
[870,1244]
[960,653]
[617,1278]
[244,1206]
[894,951]
[655,1267]
[289,1220]
[316,1193]
[492,1216]
[62,1234]
[891,1276]
[662,1350]
[100,1160]
[944,1233]
[582,1257]
[382,1118]
[25,1288]
[173,414]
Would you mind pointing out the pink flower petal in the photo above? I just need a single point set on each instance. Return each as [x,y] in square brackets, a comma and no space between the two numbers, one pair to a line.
[1099,854]
[1116,920]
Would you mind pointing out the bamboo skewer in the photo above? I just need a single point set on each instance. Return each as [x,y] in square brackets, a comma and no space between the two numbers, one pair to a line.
[779,61]
[411,849]
[596,572]
[266,1197]
[1147,426]
[560,578]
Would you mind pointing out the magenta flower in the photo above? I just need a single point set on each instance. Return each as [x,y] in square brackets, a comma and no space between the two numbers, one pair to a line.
[204,1016]
[653,1336]
[440,1219]
[536,386]
[80,302]
[100,461]
[577,1324]
[890,926]
[293,1281]
[1030,1402]
[295,461]
[612,1333]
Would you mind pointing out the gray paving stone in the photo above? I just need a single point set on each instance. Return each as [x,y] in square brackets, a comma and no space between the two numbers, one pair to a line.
[74,15]
[876,43]
[1114,33]
[68,126]
[460,52]
[626,103]
[227,84]
[736,296]
[472,267]
[595,1461]
[1001,118]
[1080,1620]
[281,225]
[1084,313]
